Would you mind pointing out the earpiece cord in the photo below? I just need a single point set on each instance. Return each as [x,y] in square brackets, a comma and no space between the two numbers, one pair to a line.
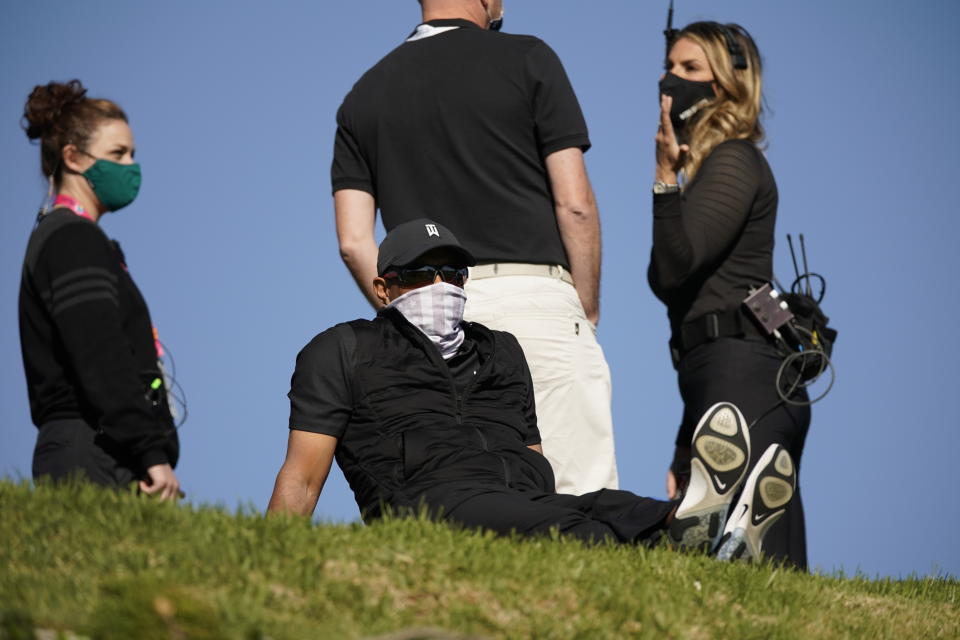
[181,399]
[175,386]
[825,364]
[797,385]
[805,279]
[764,415]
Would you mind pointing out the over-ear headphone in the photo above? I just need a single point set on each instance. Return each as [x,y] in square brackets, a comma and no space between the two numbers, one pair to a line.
[733,46]
[737,57]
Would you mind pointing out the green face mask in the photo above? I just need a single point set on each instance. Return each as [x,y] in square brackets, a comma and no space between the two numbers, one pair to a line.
[115,184]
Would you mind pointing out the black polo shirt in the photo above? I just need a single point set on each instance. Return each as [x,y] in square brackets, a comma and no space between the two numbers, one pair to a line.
[321,399]
[455,127]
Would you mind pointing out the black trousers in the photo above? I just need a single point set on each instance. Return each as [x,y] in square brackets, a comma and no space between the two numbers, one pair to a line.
[71,447]
[604,515]
[743,371]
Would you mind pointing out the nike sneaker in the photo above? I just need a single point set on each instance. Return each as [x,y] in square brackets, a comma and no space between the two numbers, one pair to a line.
[765,497]
[720,452]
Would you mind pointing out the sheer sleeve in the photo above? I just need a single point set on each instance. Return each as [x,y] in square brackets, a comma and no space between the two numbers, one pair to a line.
[695,229]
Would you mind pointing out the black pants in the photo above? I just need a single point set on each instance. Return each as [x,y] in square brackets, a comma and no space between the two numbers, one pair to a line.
[71,447]
[604,515]
[743,371]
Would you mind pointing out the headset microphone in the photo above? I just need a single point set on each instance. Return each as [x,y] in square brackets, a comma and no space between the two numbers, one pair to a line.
[736,51]
[737,58]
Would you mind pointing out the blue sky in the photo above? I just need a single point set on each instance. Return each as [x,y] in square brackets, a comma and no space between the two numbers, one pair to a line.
[232,238]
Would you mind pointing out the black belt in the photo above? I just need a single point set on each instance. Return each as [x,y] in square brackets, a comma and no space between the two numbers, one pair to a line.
[707,328]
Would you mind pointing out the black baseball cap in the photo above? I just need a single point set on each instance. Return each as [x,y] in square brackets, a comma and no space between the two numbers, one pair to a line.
[410,240]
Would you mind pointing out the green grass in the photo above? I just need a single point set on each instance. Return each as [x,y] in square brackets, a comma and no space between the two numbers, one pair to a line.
[101,564]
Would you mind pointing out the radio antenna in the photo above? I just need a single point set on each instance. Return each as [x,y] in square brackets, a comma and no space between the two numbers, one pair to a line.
[806,269]
[793,256]
[669,33]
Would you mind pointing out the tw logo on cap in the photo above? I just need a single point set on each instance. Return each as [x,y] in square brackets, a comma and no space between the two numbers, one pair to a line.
[431,230]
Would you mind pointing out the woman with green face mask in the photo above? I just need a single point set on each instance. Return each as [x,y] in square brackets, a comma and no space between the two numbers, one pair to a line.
[90,353]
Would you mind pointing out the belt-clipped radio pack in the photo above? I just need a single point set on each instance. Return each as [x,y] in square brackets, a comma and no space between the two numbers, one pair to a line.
[798,326]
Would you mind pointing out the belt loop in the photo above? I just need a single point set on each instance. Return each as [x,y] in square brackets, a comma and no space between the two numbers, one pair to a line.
[496,269]
[713,326]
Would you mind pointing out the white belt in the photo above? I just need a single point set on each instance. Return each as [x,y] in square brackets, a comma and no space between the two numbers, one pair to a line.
[520,269]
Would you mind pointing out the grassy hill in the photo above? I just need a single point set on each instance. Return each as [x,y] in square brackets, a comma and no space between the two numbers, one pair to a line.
[100,564]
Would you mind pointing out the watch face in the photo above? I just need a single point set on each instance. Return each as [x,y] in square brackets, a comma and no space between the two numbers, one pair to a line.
[663,187]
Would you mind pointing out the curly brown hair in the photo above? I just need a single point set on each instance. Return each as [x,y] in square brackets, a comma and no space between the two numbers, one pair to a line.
[60,113]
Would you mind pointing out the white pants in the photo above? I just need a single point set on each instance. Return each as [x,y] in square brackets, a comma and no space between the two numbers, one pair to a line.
[571,378]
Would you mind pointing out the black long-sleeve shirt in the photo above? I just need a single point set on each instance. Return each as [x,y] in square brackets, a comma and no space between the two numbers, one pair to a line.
[87,340]
[714,241]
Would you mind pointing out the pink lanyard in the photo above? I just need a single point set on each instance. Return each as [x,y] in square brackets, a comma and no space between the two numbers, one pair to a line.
[71,203]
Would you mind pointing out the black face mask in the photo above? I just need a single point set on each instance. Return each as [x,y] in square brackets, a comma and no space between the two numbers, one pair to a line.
[687,96]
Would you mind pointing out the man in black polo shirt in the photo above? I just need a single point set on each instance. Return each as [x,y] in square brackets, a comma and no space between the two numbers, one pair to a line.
[482,132]
[421,409]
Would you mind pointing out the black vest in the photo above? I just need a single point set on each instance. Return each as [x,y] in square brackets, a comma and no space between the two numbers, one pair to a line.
[413,440]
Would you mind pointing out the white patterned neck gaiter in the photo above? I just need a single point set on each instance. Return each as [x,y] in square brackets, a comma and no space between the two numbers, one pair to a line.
[437,310]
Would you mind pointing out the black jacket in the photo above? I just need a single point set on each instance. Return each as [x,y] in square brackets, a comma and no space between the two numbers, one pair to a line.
[413,439]
[87,340]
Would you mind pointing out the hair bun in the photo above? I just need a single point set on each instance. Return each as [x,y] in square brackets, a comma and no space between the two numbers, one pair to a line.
[46,105]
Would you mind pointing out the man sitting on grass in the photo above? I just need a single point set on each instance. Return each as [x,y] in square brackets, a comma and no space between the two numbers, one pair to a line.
[421,409]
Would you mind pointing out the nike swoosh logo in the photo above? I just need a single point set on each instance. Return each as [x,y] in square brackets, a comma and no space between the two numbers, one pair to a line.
[719,484]
[759,517]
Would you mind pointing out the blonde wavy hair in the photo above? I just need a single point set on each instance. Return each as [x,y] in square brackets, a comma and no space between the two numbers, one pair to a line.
[735,112]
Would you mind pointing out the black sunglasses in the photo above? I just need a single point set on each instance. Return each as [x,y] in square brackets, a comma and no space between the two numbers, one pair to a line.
[419,276]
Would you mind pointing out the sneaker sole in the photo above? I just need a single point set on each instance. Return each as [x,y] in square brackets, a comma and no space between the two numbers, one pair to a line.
[765,497]
[721,452]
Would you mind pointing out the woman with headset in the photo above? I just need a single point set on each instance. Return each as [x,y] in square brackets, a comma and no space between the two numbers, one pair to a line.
[95,385]
[714,212]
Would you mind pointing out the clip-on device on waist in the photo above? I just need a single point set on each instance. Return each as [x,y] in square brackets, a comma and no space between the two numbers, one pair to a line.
[798,326]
